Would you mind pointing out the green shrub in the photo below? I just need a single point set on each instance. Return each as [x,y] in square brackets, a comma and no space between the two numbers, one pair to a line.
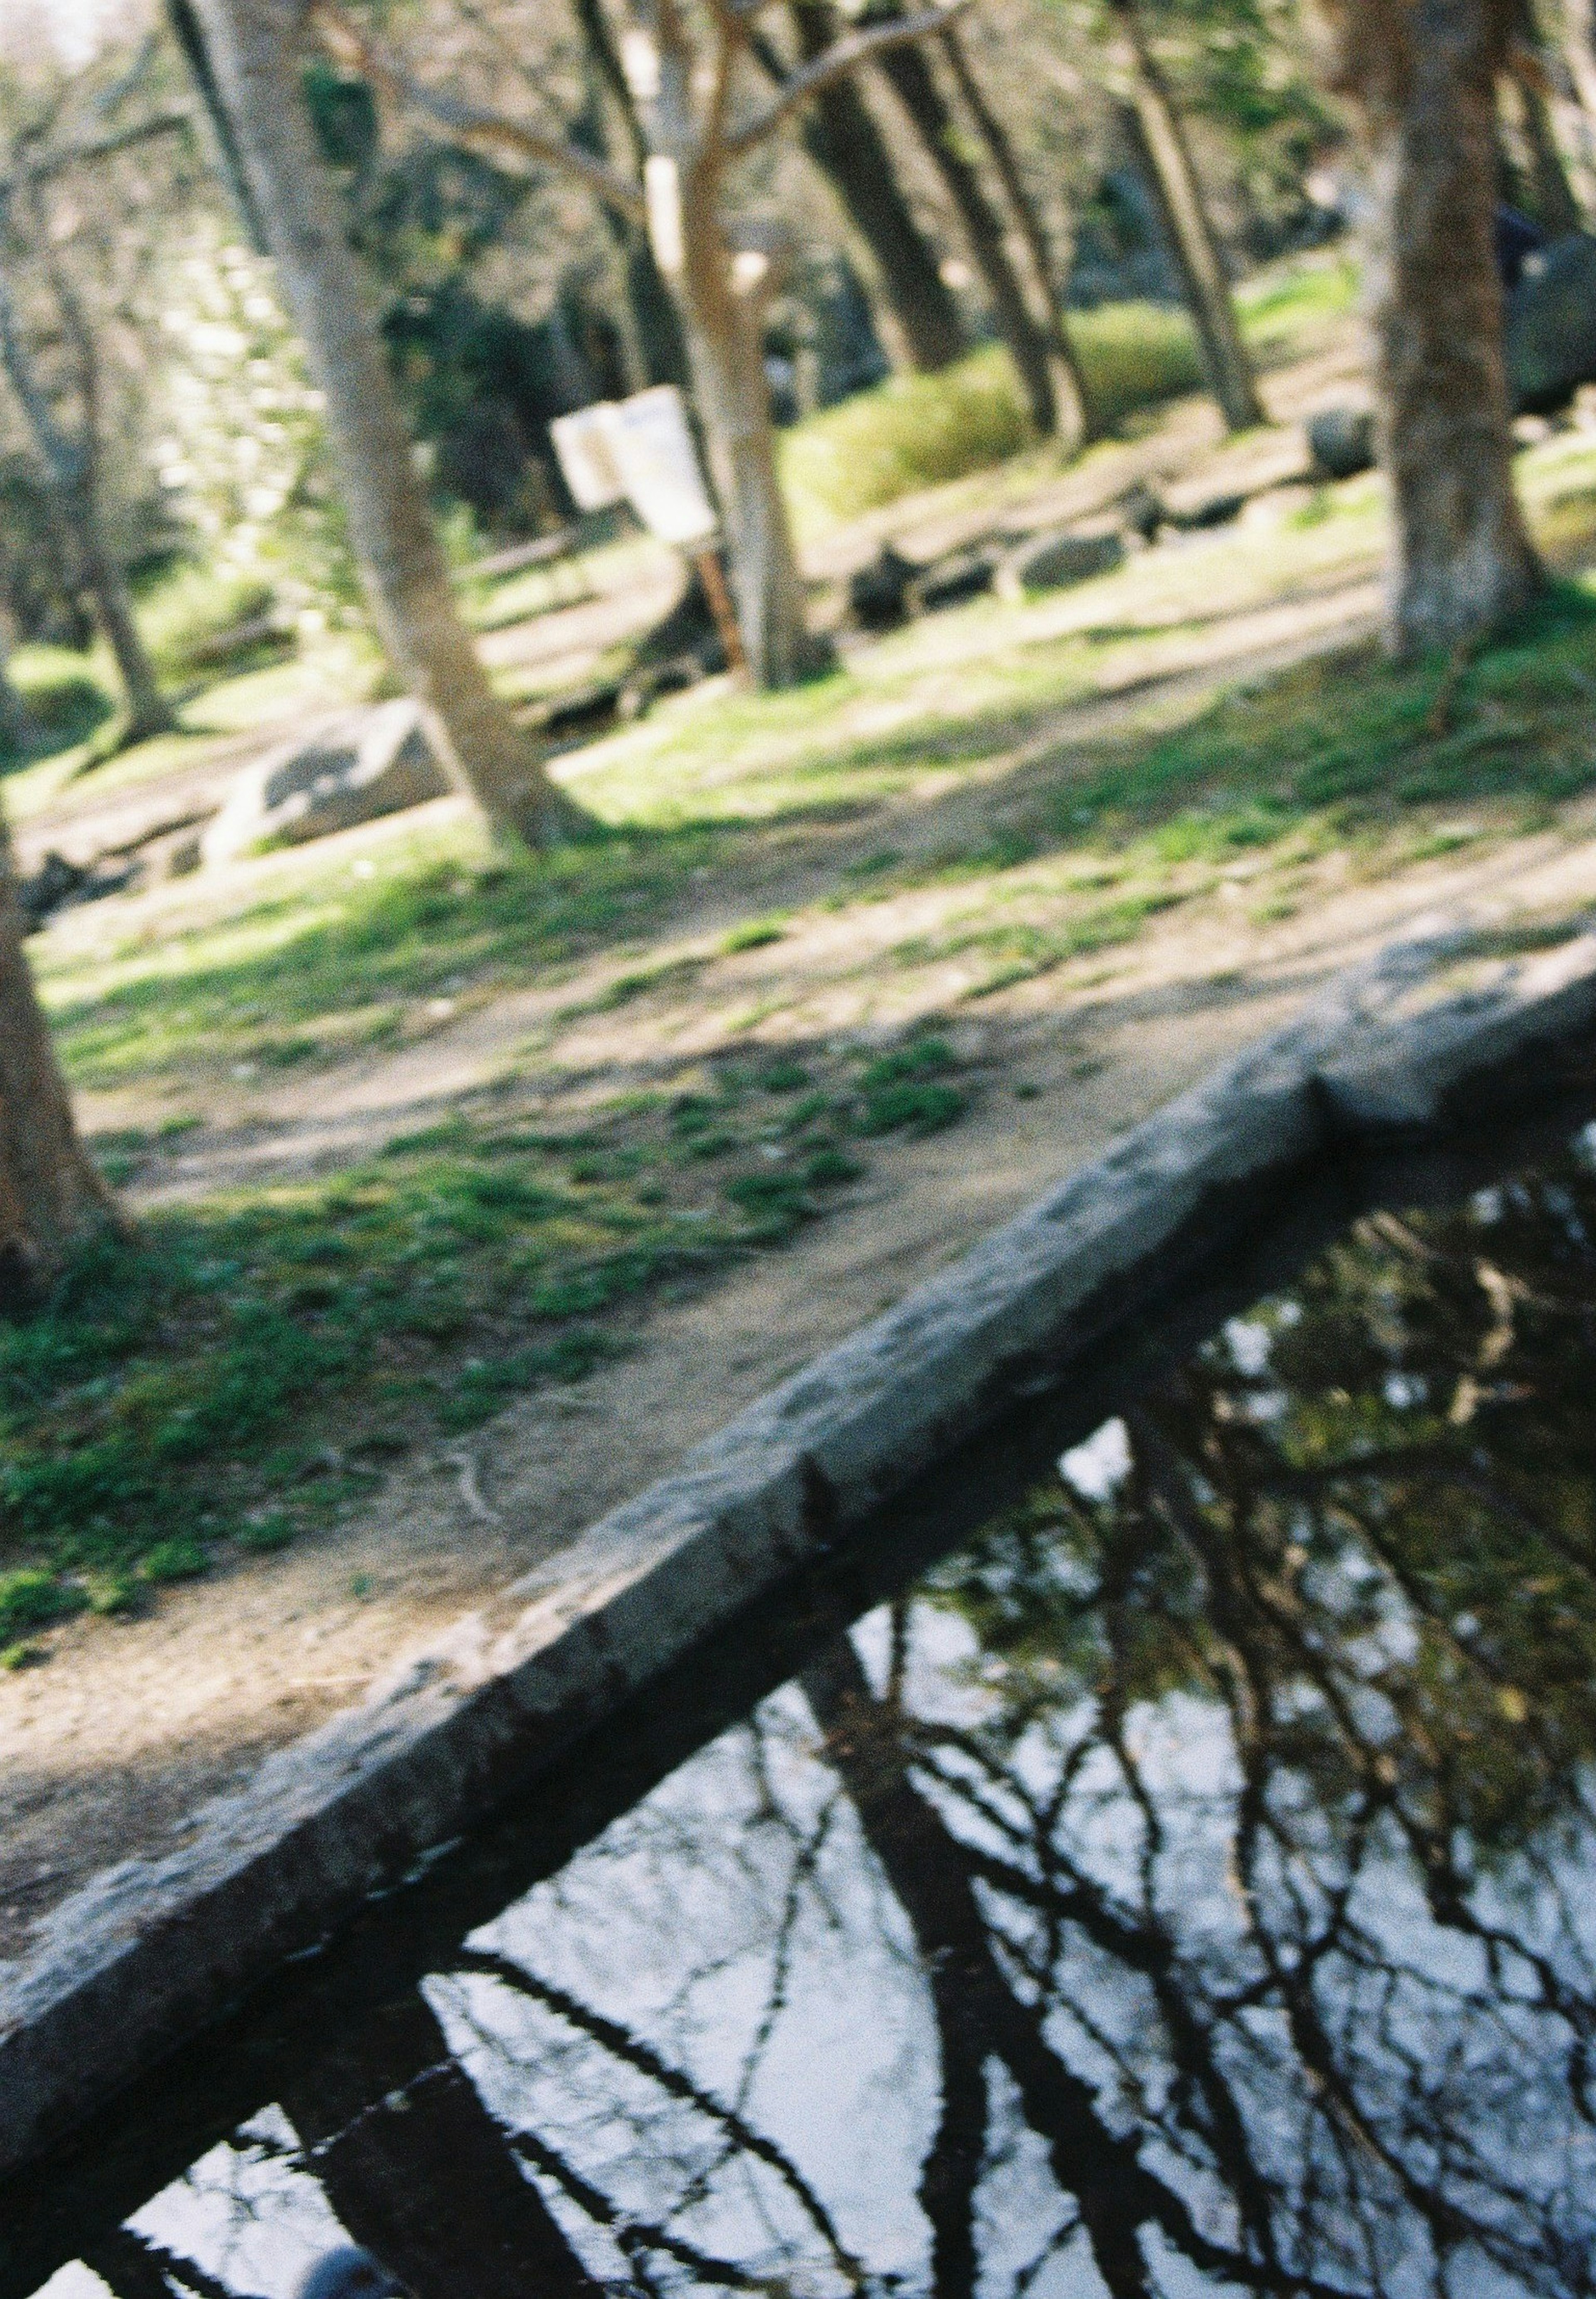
[186,613]
[1133,355]
[32,1600]
[65,700]
[922,430]
[913,431]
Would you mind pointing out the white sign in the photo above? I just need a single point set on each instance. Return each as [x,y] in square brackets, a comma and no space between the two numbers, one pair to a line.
[651,444]
[587,464]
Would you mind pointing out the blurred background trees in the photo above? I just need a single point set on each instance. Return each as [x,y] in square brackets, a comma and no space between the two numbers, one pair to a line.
[1039,210]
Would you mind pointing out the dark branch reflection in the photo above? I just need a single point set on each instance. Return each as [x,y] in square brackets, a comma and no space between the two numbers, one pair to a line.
[1187,1886]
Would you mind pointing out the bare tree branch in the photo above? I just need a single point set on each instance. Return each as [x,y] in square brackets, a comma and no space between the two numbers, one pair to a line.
[69,156]
[843,56]
[492,133]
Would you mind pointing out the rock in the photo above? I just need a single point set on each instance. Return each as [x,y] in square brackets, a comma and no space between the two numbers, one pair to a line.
[1144,511]
[1552,326]
[949,582]
[57,884]
[355,767]
[1341,441]
[878,595]
[1213,510]
[1053,562]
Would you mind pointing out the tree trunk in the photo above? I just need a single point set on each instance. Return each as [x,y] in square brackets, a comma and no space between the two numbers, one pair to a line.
[1554,206]
[251,47]
[979,2017]
[909,74]
[1070,382]
[50,1192]
[732,399]
[149,712]
[841,137]
[1156,133]
[1579,49]
[656,331]
[69,465]
[419,2172]
[1462,560]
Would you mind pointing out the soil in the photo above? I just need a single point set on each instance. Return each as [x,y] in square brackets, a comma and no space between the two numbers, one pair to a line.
[106,1749]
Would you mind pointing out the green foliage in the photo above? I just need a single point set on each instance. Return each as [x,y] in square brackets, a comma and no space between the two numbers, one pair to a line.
[67,700]
[923,430]
[913,431]
[908,1089]
[186,609]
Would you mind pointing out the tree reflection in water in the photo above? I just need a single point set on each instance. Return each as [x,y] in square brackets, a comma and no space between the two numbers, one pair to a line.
[1188,1885]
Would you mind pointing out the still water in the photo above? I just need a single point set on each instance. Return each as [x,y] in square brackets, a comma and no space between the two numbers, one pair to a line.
[1184,1884]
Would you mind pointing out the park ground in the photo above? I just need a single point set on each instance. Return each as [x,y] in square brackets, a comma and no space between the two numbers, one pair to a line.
[469,1189]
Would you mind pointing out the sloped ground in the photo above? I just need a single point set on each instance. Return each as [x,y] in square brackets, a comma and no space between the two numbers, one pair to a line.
[1028,870]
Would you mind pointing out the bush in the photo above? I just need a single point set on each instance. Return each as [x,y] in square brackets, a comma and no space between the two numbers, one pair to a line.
[184,614]
[65,700]
[922,430]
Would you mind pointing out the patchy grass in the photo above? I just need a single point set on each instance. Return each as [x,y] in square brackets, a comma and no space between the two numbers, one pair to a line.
[235,1372]
[919,431]
[246,1365]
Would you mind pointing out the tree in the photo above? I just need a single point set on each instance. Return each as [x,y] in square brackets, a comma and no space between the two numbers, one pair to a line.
[253,54]
[1027,216]
[51,1194]
[1047,372]
[1424,82]
[1153,125]
[682,74]
[51,360]
[840,136]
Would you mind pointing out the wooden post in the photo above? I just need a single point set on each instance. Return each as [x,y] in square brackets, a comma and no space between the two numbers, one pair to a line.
[713,578]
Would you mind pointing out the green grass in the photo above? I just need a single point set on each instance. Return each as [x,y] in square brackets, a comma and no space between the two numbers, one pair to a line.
[921,431]
[234,1372]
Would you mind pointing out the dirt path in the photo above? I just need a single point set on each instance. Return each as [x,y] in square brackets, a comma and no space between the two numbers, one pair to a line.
[104,1751]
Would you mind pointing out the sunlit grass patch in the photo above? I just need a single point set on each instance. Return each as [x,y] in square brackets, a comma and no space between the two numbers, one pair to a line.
[232,1371]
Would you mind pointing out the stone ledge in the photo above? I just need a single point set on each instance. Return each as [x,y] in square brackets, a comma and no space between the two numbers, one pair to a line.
[153,1949]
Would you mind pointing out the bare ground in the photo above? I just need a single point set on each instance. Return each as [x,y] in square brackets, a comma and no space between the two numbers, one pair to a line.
[106,1750]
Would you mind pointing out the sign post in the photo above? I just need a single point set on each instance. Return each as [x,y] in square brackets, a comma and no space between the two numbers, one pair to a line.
[641,450]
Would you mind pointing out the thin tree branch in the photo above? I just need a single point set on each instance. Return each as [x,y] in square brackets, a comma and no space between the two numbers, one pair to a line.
[478,129]
[843,56]
[61,162]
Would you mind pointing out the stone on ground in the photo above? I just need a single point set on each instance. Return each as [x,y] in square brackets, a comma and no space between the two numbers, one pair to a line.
[353,767]
[1053,562]
[1552,326]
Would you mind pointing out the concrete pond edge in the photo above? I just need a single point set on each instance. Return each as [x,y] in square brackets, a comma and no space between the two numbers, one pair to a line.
[151,1950]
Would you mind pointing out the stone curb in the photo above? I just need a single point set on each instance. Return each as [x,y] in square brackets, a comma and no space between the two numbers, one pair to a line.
[153,1949]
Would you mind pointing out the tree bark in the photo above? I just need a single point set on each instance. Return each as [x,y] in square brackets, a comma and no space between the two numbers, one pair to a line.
[51,1193]
[1555,208]
[252,52]
[419,2172]
[909,73]
[656,330]
[1070,382]
[1154,126]
[149,713]
[726,356]
[1462,561]
[841,137]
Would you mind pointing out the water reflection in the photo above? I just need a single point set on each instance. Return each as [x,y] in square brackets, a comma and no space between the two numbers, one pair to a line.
[1187,1886]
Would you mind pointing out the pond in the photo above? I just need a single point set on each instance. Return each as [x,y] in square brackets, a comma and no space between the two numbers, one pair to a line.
[1181,1881]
